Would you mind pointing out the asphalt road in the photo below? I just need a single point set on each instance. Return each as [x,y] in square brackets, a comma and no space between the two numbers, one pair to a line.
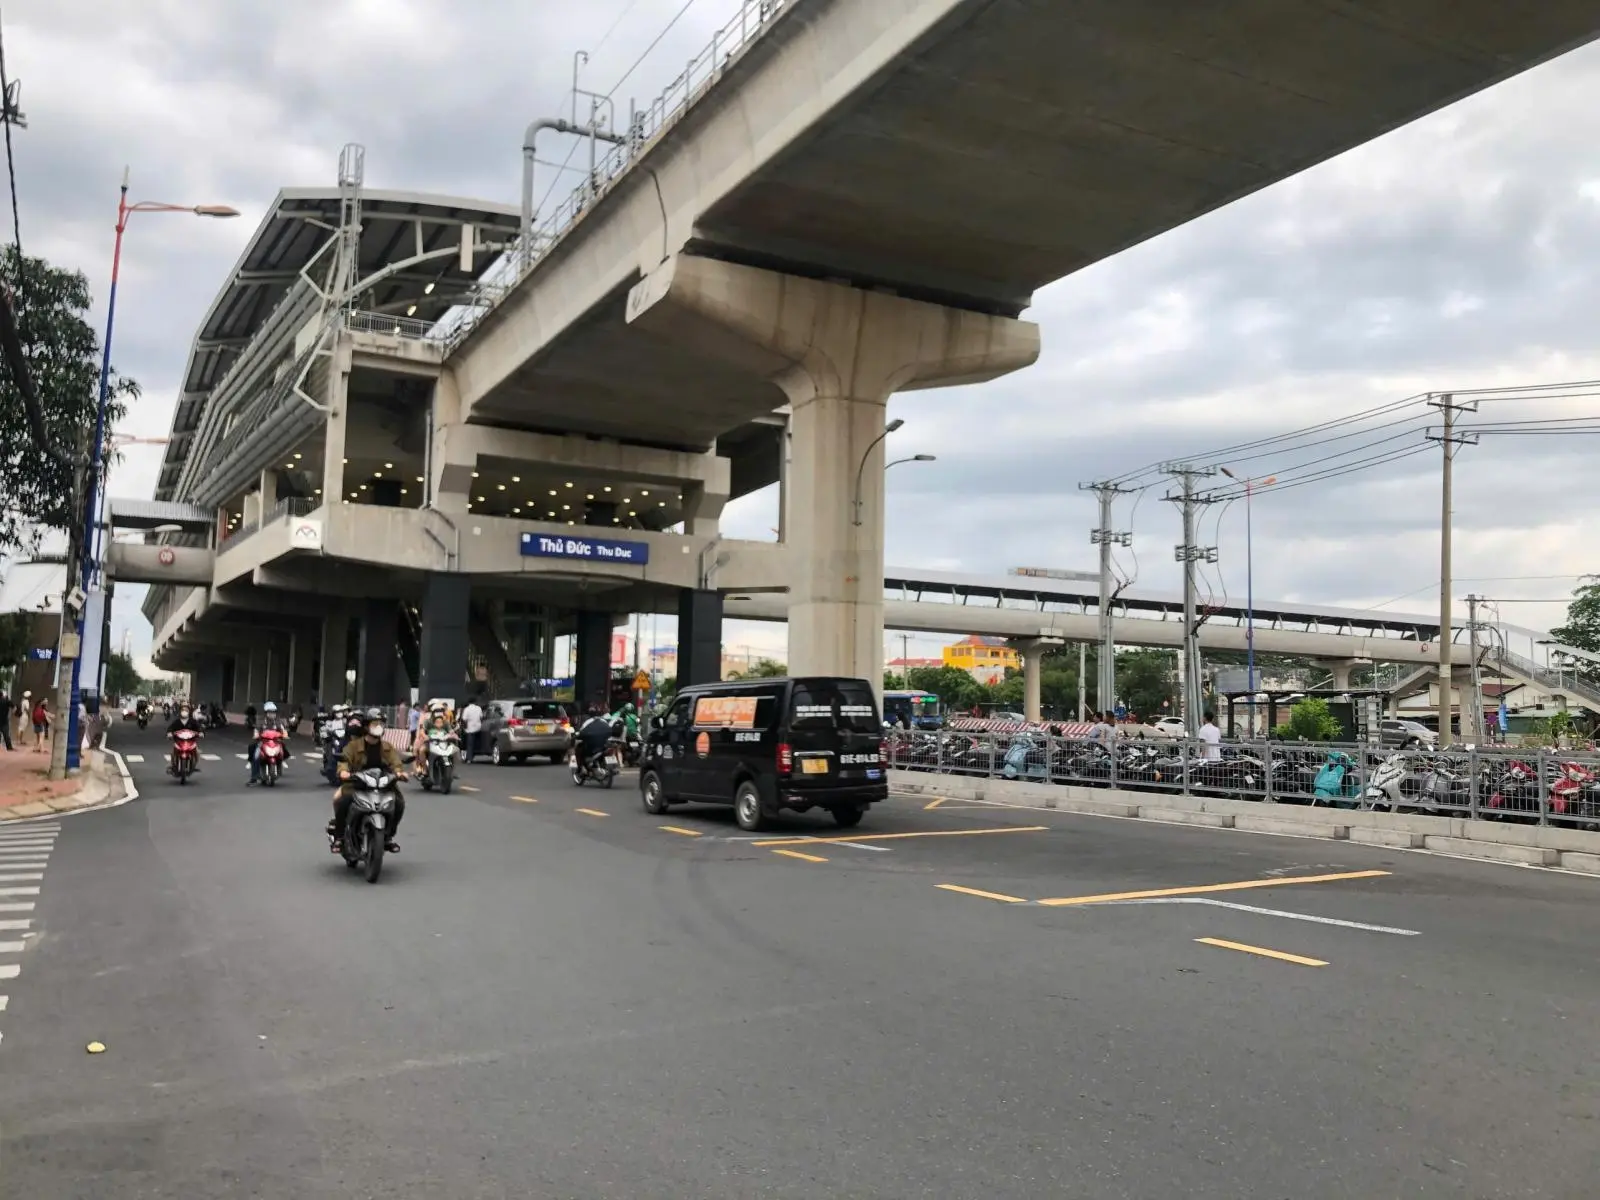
[539,1001]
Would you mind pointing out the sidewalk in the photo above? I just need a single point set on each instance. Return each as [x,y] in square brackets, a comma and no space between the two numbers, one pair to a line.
[26,790]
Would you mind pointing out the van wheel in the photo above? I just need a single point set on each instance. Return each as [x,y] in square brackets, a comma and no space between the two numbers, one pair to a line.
[747,808]
[655,800]
[848,816]
[495,756]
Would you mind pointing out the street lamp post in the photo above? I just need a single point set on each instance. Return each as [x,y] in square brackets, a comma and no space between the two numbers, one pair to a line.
[91,619]
[1250,486]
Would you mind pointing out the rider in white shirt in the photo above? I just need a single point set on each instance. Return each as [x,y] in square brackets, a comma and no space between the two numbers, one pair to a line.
[472,726]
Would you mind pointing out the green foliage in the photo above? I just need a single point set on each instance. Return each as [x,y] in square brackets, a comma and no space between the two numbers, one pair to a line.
[1309,721]
[893,682]
[63,356]
[957,690]
[1583,624]
[1145,678]
[121,678]
[16,637]
[763,668]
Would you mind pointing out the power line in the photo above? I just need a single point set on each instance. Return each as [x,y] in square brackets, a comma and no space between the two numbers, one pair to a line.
[678,16]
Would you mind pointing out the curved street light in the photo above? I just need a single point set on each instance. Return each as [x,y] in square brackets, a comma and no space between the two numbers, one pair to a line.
[866,454]
[88,566]
[1250,486]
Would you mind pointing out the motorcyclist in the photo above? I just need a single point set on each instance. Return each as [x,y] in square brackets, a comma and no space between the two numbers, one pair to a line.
[269,720]
[592,736]
[437,723]
[185,720]
[366,753]
[629,716]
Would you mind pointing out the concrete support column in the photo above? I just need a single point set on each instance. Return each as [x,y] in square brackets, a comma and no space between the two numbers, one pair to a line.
[450,465]
[278,672]
[333,449]
[699,637]
[335,658]
[1341,669]
[302,662]
[377,662]
[250,509]
[446,610]
[1032,668]
[256,688]
[209,682]
[591,683]
[702,509]
[268,492]
[837,353]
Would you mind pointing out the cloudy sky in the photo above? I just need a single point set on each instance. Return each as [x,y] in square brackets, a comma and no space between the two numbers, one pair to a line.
[1459,252]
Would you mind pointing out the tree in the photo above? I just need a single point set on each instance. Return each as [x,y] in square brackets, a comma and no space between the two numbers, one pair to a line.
[1146,681]
[763,668]
[37,491]
[16,638]
[121,677]
[893,682]
[955,688]
[1309,721]
[1582,629]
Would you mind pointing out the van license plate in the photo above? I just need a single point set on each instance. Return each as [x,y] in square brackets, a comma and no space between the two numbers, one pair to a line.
[814,766]
[874,774]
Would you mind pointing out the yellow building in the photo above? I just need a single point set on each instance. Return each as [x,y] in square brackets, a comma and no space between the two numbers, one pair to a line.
[987,659]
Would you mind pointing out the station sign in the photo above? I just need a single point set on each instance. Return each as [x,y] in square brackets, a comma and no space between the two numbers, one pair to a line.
[585,549]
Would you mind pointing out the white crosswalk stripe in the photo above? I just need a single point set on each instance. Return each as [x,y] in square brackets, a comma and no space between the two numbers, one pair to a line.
[24,859]
[133,758]
[212,757]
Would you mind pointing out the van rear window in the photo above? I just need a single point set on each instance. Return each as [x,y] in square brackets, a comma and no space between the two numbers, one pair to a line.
[842,705]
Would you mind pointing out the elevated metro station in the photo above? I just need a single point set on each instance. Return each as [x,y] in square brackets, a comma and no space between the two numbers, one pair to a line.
[434,433]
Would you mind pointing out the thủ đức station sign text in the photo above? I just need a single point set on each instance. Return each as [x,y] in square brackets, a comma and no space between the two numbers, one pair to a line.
[585,549]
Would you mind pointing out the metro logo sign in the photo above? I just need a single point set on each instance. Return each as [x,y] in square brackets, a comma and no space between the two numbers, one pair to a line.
[588,549]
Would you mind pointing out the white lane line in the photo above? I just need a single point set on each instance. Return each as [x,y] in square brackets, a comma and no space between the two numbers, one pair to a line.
[133,758]
[36,844]
[18,891]
[1274,912]
[21,878]
[24,906]
[4,1000]
[9,970]
[212,757]
[12,947]
[22,924]
[242,757]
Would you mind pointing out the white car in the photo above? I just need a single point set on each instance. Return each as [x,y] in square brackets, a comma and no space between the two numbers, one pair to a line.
[130,710]
[1168,727]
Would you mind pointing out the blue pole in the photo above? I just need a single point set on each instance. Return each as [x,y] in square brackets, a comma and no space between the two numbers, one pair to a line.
[86,567]
[1250,605]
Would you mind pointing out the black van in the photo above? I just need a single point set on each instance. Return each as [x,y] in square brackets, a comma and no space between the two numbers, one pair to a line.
[763,745]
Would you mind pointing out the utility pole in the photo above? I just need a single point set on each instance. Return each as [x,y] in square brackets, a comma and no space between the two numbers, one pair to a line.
[1106,537]
[1083,680]
[1448,440]
[1476,731]
[1189,553]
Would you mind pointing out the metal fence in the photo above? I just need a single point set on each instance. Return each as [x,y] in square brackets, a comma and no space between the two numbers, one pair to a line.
[646,127]
[414,328]
[1530,786]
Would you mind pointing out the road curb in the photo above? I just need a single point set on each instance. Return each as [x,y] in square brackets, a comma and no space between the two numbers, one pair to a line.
[1572,850]
[93,796]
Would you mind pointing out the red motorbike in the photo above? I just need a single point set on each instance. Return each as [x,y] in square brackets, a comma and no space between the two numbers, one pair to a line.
[185,754]
[270,753]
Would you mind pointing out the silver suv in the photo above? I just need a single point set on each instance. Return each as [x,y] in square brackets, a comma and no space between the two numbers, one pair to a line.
[1407,735]
[524,728]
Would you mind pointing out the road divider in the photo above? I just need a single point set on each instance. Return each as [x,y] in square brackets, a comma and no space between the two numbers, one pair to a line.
[1204,888]
[1262,952]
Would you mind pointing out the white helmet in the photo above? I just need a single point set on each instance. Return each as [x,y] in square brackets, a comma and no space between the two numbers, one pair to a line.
[269,707]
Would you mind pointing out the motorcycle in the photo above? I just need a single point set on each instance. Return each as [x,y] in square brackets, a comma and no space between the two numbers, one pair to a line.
[333,742]
[602,768]
[372,806]
[440,768]
[185,754]
[270,754]
[1336,783]
[144,717]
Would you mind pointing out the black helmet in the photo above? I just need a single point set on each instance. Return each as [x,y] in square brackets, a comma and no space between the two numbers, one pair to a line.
[374,714]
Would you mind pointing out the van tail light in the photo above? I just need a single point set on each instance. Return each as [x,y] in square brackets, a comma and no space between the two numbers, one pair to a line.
[515,722]
[883,753]
[785,758]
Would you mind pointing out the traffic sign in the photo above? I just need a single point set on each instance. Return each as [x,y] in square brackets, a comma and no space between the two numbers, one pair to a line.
[641,682]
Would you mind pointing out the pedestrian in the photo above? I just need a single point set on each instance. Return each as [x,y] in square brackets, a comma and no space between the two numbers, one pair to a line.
[1211,736]
[24,713]
[472,727]
[5,717]
[41,724]
[1103,732]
